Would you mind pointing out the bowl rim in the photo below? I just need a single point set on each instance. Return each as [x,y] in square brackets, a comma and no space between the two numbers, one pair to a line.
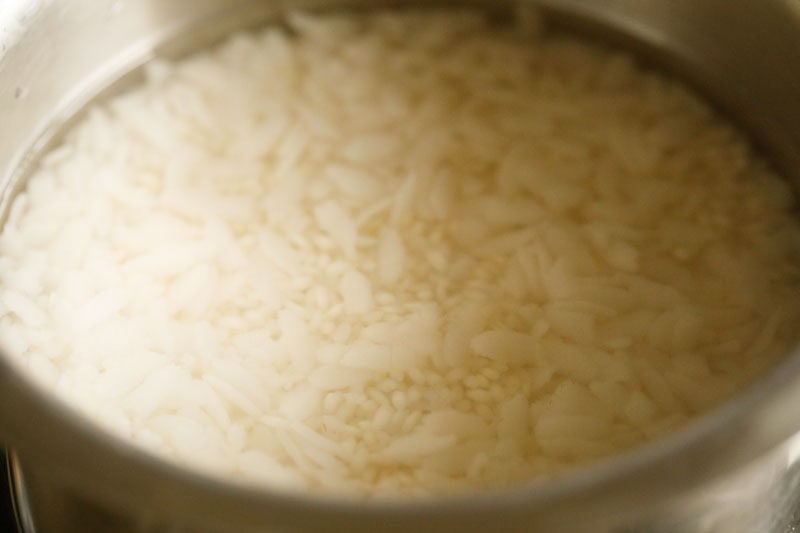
[122,474]
[102,465]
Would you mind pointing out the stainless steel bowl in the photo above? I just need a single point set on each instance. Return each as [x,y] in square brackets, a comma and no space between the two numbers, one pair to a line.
[734,470]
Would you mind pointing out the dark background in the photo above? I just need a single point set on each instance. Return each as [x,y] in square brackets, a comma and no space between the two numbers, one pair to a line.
[7,523]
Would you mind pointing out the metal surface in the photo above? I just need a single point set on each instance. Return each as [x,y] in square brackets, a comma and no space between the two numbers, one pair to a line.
[735,470]
[11,508]
[18,493]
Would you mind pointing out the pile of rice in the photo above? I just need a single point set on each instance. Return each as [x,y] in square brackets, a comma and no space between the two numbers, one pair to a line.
[399,253]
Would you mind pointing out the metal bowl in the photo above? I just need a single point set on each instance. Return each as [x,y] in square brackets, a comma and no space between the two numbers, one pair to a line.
[732,470]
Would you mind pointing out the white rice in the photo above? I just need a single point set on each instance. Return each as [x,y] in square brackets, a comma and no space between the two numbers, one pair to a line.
[399,254]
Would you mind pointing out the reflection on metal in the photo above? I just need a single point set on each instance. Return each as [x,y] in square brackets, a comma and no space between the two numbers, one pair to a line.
[19,495]
[15,17]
